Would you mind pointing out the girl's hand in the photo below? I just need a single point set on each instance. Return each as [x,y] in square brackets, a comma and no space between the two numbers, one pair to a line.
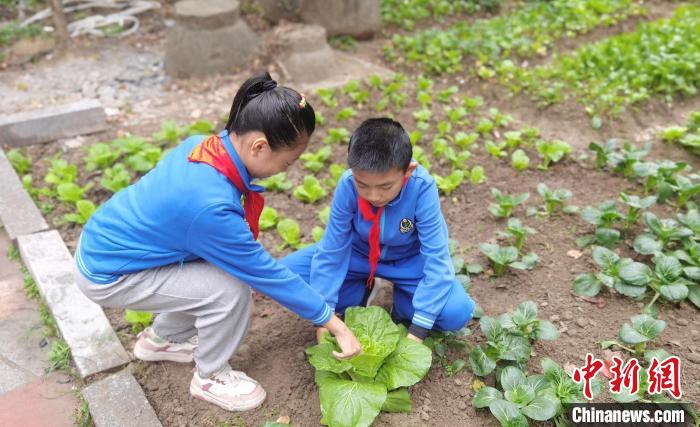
[319,333]
[414,338]
[349,346]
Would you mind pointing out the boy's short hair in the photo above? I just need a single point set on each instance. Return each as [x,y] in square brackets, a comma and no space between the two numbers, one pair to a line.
[380,145]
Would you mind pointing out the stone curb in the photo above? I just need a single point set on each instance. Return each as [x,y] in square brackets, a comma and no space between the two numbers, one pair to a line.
[81,322]
[83,325]
[118,400]
[52,123]
[18,212]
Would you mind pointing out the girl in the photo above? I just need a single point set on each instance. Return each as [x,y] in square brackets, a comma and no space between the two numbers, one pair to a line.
[181,243]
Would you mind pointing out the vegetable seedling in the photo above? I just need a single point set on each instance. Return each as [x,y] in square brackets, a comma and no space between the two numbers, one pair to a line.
[310,191]
[503,208]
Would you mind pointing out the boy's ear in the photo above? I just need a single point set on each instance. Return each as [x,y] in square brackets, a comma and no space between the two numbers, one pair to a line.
[411,167]
[259,145]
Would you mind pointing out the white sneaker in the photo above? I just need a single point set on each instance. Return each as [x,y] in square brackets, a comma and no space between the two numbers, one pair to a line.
[229,389]
[152,348]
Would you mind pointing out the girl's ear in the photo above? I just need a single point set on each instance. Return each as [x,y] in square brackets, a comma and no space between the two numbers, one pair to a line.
[259,146]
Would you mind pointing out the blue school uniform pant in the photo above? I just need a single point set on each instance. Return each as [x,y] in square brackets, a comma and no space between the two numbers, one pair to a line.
[404,274]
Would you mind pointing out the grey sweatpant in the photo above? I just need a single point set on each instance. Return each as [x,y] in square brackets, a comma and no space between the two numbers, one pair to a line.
[195,298]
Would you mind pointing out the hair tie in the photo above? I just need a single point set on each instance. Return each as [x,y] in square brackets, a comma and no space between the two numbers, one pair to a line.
[269,85]
[302,102]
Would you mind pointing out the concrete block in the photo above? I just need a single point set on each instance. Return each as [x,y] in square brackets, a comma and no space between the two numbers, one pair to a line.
[119,401]
[83,325]
[18,213]
[277,10]
[357,18]
[52,123]
[208,37]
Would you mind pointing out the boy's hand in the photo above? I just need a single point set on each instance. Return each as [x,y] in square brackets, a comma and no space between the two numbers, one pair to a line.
[349,346]
[414,338]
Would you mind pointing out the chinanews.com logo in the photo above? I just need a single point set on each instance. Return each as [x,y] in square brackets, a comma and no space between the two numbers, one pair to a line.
[629,414]
[630,382]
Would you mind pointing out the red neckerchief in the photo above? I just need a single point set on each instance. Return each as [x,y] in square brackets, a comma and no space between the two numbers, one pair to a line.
[213,153]
[375,251]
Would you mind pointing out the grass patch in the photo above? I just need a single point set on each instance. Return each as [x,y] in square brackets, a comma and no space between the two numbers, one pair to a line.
[82,417]
[59,356]
[13,253]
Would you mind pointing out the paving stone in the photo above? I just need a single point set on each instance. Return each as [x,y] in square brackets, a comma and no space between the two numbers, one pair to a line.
[11,377]
[20,325]
[52,123]
[119,401]
[18,213]
[83,325]
[47,401]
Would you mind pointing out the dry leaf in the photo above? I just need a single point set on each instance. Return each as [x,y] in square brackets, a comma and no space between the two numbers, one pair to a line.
[477,384]
[284,419]
[575,254]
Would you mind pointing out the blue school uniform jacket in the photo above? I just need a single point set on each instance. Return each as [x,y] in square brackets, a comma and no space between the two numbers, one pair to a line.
[411,225]
[183,211]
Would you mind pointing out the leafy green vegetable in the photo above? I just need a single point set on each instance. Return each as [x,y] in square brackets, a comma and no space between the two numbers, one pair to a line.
[519,160]
[624,275]
[553,198]
[70,192]
[100,156]
[315,161]
[144,160]
[289,231]
[61,172]
[21,163]
[502,257]
[170,132]
[505,203]
[658,58]
[552,151]
[353,392]
[309,192]
[139,320]
[201,127]
[268,218]
[346,113]
[477,175]
[83,210]
[130,144]
[115,178]
[642,330]
[508,339]
[277,183]
[449,183]
[523,396]
[337,136]
[327,96]
[517,231]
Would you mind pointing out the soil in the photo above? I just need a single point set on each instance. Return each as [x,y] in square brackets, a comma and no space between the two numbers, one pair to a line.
[274,349]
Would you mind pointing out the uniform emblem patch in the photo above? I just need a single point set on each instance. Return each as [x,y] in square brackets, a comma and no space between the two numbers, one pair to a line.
[406,225]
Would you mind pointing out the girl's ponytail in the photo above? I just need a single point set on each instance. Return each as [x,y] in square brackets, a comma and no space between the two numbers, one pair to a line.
[281,113]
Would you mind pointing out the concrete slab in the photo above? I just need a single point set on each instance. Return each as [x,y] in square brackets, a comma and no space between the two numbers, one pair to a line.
[11,377]
[346,68]
[48,401]
[83,325]
[119,401]
[52,123]
[21,330]
[18,212]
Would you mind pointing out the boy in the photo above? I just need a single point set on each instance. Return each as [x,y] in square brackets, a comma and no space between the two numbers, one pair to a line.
[385,221]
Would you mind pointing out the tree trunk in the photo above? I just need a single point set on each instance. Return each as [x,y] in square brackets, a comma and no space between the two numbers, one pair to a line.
[59,22]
